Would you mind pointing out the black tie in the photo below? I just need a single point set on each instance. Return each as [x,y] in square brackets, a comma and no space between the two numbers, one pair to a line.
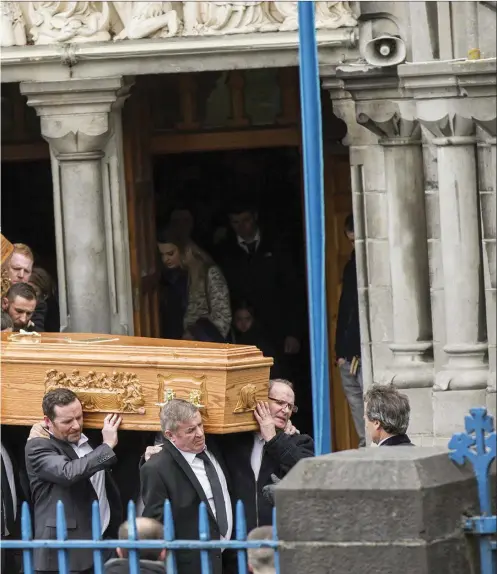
[217,493]
[251,247]
[8,520]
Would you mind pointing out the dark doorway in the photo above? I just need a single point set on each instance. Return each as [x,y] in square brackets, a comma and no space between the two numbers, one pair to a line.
[207,182]
[28,211]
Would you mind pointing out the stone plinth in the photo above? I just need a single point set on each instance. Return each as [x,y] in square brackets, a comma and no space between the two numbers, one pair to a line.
[389,510]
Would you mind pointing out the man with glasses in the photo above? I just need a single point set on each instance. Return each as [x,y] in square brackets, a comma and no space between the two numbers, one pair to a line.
[254,460]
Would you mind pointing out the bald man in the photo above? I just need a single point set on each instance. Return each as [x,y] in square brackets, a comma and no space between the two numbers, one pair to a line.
[151,560]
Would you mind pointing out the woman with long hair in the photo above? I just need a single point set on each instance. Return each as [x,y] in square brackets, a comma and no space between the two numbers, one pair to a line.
[194,297]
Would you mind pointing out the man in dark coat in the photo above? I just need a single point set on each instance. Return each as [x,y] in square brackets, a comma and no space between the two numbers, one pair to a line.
[387,415]
[259,269]
[65,467]
[187,471]
[348,339]
[256,460]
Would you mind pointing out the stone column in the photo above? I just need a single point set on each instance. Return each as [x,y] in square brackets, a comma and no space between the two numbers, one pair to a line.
[412,346]
[466,367]
[75,122]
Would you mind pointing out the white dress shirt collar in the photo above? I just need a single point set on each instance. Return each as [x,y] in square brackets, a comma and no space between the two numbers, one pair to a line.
[243,243]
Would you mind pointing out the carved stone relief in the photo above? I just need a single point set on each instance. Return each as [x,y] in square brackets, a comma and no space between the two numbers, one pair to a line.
[52,22]
[100,392]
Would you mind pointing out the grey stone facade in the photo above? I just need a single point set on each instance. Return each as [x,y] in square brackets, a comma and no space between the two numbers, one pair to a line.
[421,129]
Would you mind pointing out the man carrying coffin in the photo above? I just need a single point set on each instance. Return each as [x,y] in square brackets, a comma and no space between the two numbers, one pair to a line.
[187,471]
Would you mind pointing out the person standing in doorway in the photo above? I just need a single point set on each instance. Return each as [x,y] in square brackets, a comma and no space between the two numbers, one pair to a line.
[348,339]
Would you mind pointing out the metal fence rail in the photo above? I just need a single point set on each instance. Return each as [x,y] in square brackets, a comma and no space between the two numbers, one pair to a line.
[204,544]
[478,445]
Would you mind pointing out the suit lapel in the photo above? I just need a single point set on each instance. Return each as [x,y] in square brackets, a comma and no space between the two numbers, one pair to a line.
[66,447]
[187,469]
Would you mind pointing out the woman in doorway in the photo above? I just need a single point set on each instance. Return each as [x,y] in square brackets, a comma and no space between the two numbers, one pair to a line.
[195,301]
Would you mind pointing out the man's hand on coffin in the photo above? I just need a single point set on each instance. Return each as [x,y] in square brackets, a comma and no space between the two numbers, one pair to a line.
[39,430]
[266,422]
[151,450]
[109,432]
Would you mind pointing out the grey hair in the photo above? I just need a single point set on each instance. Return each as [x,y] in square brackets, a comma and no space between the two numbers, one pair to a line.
[175,412]
[261,560]
[272,382]
[390,408]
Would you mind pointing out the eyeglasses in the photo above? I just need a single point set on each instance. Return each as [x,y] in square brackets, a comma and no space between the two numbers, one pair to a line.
[284,404]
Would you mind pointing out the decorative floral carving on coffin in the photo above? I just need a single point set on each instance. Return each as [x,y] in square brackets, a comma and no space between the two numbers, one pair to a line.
[51,22]
[100,392]
[13,27]
[246,399]
[189,388]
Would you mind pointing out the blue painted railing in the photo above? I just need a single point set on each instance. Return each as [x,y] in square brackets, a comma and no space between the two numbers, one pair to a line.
[478,445]
[204,544]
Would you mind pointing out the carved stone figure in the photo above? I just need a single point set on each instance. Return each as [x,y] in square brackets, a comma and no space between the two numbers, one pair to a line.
[13,27]
[64,21]
[147,20]
[217,18]
[329,15]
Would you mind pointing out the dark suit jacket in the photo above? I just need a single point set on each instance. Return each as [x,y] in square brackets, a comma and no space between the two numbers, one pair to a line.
[168,476]
[56,473]
[280,455]
[398,440]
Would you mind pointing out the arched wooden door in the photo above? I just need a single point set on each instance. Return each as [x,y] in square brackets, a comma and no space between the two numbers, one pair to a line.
[338,204]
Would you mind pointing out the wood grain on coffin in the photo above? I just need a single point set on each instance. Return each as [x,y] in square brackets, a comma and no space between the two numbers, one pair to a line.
[135,368]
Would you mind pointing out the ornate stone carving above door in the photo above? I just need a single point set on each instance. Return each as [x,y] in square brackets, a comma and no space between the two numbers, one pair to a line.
[65,21]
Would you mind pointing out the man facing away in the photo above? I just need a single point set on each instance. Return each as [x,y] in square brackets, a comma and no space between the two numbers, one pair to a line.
[65,467]
[20,304]
[188,471]
[261,560]
[348,339]
[387,415]
[151,560]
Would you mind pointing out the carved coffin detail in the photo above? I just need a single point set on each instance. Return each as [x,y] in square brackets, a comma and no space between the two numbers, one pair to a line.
[246,399]
[192,389]
[116,393]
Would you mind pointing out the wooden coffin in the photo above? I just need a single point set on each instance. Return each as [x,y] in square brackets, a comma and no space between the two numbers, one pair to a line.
[134,376]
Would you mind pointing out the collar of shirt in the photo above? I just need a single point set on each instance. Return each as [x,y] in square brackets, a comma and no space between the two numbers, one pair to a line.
[188,456]
[243,244]
[258,437]
[383,440]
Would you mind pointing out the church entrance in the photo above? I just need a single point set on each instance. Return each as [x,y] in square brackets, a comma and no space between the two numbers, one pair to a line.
[180,161]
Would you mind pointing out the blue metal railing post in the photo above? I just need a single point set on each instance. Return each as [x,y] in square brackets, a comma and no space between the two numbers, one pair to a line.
[96,529]
[314,225]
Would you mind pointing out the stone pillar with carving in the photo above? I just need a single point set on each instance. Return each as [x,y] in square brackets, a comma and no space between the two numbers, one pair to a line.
[75,122]
[449,95]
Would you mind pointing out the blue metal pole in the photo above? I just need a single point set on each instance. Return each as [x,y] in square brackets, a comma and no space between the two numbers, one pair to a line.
[314,225]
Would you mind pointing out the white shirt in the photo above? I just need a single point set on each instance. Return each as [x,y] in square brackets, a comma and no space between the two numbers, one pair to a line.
[257,454]
[11,480]
[243,243]
[98,481]
[198,467]
[383,440]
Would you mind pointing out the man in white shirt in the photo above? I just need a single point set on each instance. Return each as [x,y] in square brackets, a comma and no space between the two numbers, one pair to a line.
[188,471]
[65,467]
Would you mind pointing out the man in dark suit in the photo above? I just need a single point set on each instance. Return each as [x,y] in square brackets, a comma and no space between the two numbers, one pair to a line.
[386,414]
[259,269]
[65,467]
[188,471]
[253,459]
